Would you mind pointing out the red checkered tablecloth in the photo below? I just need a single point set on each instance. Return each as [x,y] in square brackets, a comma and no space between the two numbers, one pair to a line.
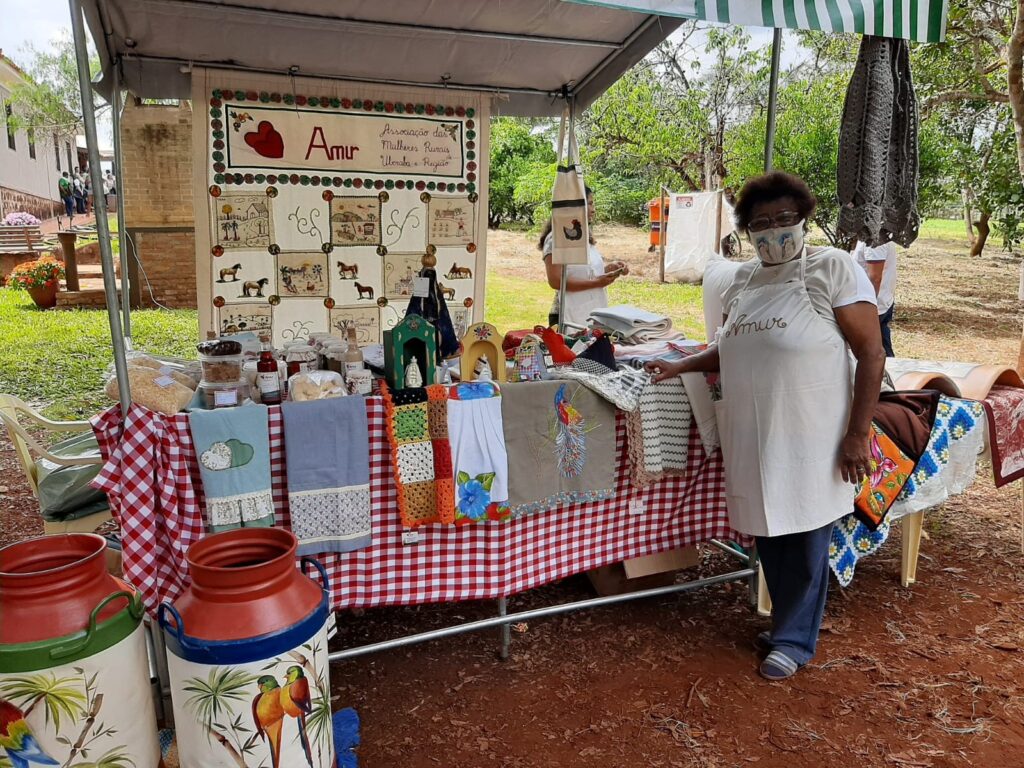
[490,560]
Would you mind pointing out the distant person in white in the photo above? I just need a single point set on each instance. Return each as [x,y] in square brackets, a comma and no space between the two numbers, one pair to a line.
[880,264]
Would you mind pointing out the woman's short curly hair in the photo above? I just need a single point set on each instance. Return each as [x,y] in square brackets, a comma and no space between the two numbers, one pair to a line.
[772,186]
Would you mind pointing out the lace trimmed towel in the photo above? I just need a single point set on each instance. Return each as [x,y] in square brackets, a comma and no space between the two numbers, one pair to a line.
[327,451]
[665,416]
[233,446]
[478,453]
[561,445]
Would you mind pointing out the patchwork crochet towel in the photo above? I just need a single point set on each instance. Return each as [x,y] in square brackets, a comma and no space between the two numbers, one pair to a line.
[233,446]
[561,445]
[327,451]
[479,455]
[421,454]
[621,388]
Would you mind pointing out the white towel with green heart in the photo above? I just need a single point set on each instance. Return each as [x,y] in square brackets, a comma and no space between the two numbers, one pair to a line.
[233,446]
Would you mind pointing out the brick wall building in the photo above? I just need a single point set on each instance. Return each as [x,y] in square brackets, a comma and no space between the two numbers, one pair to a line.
[155,185]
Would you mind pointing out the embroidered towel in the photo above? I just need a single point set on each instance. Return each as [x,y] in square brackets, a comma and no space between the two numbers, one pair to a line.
[327,451]
[665,417]
[560,438]
[233,446]
[479,457]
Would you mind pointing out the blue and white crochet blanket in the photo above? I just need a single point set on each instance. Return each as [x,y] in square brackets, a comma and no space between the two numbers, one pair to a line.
[947,468]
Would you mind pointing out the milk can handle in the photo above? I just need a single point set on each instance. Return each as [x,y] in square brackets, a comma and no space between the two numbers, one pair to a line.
[323,572]
[134,608]
[178,630]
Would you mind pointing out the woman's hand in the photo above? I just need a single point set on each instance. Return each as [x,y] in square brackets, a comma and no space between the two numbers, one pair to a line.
[662,369]
[855,458]
[617,266]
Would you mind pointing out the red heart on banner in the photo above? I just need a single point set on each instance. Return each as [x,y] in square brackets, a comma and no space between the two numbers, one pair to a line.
[266,141]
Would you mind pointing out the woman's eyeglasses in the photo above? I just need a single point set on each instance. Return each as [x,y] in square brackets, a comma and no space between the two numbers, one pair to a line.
[781,219]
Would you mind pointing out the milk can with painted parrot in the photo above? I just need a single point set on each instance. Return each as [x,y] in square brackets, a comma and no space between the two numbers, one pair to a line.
[74,674]
[247,655]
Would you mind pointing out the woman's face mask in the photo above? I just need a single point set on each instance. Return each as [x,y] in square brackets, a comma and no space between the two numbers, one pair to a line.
[778,244]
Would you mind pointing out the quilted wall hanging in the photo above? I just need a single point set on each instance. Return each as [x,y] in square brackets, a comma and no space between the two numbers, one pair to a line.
[316,201]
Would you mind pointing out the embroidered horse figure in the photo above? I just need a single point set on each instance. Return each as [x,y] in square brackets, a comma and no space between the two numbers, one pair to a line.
[254,285]
[458,273]
[446,292]
[231,272]
[365,291]
[352,270]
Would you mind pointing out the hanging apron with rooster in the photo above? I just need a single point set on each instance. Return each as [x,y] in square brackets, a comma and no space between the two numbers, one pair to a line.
[569,228]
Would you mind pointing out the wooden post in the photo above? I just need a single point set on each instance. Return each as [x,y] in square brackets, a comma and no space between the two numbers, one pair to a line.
[718,222]
[67,245]
[662,234]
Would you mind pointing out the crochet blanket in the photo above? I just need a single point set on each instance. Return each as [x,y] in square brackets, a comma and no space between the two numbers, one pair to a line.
[417,424]
[946,468]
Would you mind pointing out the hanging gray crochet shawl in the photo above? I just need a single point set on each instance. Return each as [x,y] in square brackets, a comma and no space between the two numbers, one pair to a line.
[877,177]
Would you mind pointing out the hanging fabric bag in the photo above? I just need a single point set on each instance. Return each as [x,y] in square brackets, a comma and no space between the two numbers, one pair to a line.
[569,203]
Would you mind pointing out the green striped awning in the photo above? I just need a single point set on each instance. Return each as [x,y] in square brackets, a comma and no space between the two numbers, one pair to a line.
[920,20]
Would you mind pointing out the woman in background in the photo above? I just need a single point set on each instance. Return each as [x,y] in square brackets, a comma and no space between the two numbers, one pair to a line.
[586,284]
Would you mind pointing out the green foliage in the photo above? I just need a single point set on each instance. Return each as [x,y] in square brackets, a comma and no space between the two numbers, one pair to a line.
[516,151]
[52,99]
[806,143]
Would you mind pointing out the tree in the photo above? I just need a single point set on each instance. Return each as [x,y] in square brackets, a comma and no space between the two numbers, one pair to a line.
[50,97]
[516,151]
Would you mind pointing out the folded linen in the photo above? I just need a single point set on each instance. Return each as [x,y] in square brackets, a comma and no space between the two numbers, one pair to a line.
[327,451]
[233,446]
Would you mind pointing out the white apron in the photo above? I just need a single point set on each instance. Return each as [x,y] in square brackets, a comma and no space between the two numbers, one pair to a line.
[579,304]
[785,407]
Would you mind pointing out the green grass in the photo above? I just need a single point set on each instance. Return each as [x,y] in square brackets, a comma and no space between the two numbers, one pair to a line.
[59,358]
[950,230]
[514,303]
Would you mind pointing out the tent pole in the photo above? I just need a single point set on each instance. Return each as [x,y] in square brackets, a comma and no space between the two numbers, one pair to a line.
[102,226]
[563,286]
[662,235]
[115,105]
[773,95]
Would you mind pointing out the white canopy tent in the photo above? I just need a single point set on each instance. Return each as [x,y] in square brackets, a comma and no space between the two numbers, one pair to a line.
[534,55]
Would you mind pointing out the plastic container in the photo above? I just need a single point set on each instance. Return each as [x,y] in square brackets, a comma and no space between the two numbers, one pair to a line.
[223,368]
[300,358]
[223,394]
[251,617]
[65,618]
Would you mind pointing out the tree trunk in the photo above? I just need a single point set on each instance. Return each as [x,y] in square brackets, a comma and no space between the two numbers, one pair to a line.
[968,217]
[983,229]
[1015,80]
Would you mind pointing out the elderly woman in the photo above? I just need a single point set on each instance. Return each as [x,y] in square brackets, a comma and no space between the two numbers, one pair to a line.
[793,422]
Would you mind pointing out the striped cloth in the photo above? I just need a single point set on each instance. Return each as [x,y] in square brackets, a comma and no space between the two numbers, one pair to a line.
[920,20]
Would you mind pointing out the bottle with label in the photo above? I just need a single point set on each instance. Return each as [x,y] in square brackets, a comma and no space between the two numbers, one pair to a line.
[353,355]
[267,378]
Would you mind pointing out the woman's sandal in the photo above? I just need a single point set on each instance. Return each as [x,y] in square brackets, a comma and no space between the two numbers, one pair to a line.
[763,642]
[778,666]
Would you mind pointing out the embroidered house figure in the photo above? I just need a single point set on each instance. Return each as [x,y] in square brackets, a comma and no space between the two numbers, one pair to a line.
[482,340]
[412,342]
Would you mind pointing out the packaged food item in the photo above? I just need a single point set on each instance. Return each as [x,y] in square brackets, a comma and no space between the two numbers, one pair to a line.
[359,382]
[221,367]
[152,389]
[334,355]
[223,394]
[219,347]
[267,379]
[353,356]
[300,357]
[185,372]
[315,385]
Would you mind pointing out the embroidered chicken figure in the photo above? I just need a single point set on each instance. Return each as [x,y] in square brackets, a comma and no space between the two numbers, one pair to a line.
[575,232]
[570,440]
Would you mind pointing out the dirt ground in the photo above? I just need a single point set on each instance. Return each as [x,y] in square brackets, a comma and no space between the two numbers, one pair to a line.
[925,677]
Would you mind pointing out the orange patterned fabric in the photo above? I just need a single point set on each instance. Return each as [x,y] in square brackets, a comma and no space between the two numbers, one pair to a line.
[417,425]
[890,470]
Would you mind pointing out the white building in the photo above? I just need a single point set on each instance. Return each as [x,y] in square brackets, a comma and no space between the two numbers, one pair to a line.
[32,160]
